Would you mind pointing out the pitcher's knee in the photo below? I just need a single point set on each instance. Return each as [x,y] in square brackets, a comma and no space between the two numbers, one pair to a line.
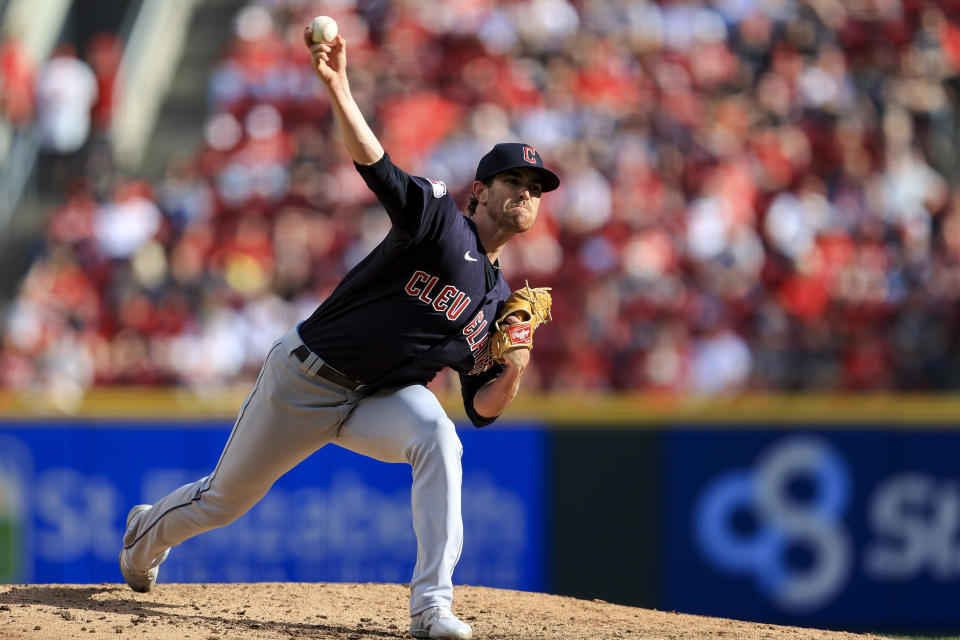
[438,438]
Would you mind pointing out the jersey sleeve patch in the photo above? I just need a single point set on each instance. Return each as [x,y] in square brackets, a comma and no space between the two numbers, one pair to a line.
[439,188]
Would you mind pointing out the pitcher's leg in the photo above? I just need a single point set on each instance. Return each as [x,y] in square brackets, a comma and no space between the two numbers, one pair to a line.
[435,499]
[411,426]
[284,419]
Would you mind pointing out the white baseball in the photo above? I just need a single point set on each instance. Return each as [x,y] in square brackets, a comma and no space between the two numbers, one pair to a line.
[323,29]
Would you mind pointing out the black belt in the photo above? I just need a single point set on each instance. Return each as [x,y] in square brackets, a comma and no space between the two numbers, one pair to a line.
[329,373]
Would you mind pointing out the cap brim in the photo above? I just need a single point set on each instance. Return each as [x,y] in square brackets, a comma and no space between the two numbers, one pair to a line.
[548,179]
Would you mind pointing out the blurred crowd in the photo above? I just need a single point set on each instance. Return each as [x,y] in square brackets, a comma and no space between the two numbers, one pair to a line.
[69,97]
[757,195]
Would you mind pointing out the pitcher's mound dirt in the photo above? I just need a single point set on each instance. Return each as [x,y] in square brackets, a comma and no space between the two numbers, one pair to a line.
[342,611]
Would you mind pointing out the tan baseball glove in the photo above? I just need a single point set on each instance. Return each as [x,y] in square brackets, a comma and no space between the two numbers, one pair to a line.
[532,307]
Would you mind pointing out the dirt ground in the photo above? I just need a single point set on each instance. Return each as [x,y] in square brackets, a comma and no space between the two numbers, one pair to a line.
[342,611]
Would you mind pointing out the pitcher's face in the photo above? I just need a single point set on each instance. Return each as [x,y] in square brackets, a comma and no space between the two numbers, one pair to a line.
[513,199]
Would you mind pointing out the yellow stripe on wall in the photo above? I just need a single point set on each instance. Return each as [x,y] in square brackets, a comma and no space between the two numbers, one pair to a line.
[607,411]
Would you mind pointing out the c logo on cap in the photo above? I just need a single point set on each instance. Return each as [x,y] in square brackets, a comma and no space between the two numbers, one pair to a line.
[530,155]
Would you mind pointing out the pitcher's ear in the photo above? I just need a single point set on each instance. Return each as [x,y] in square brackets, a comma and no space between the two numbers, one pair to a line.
[480,192]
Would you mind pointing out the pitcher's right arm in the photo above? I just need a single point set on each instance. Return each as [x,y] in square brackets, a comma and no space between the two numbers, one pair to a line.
[329,62]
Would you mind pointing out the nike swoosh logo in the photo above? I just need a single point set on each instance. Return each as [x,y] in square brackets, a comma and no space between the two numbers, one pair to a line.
[466,256]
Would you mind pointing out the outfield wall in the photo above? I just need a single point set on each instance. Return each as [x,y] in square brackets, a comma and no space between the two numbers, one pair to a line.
[828,512]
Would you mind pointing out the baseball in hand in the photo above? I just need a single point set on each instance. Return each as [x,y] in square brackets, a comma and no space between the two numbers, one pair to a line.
[323,29]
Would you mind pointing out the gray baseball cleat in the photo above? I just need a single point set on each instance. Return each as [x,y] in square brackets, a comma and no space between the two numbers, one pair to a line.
[439,622]
[138,580]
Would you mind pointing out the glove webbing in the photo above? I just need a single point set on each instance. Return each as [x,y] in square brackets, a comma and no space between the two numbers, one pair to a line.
[530,295]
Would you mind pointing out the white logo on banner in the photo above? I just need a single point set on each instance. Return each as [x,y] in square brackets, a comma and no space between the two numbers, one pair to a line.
[775,526]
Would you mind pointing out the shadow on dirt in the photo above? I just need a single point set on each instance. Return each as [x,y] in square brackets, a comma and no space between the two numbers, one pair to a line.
[70,601]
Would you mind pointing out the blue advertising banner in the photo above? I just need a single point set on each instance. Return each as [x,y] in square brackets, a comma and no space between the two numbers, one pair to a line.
[827,528]
[65,490]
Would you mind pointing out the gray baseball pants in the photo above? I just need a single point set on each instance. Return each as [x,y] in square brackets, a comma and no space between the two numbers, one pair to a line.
[289,415]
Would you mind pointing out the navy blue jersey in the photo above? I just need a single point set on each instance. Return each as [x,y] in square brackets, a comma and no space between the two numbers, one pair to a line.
[425,298]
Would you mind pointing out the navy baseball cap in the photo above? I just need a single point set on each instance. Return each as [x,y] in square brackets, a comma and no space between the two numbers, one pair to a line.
[515,155]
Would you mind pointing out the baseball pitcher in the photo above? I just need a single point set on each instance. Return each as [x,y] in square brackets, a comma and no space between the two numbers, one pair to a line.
[354,373]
